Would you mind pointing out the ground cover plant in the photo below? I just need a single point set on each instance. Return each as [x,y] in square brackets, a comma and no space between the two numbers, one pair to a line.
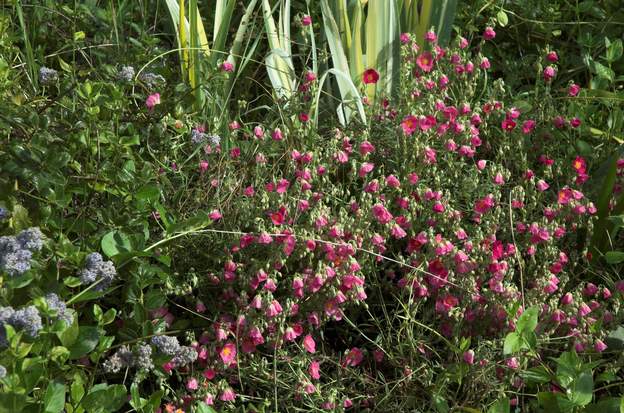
[180,233]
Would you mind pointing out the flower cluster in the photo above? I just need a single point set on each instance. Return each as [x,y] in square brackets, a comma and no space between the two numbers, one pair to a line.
[16,251]
[26,319]
[98,271]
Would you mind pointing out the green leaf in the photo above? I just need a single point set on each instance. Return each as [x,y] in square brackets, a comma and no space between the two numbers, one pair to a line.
[12,402]
[70,334]
[204,408]
[513,343]
[614,257]
[88,338]
[54,398]
[32,372]
[548,401]
[582,389]
[603,71]
[109,398]
[500,406]
[527,321]
[614,51]
[116,242]
[615,339]
[149,193]
[610,405]
[536,375]
[502,18]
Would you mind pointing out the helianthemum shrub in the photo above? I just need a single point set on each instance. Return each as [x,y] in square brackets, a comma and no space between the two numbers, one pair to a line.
[438,250]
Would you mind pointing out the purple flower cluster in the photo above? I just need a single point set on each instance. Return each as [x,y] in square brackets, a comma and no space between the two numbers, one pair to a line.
[59,306]
[98,270]
[16,252]
[27,319]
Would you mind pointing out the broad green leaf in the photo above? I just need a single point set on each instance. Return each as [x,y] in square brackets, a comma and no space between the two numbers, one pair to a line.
[500,406]
[603,71]
[116,242]
[614,257]
[54,400]
[513,343]
[614,51]
[109,398]
[536,375]
[527,321]
[582,389]
[88,338]
[12,402]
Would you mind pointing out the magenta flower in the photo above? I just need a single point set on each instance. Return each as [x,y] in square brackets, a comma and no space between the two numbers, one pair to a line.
[228,353]
[152,100]
[425,61]
[228,395]
[469,357]
[314,370]
[552,57]
[227,66]
[353,357]
[549,73]
[308,342]
[489,33]
[306,20]
[574,90]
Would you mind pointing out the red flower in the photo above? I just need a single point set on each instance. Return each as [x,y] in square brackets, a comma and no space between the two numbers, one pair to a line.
[508,125]
[370,76]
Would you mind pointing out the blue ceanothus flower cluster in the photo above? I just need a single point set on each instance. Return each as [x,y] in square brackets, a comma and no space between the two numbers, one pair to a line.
[56,304]
[16,251]
[26,319]
[98,270]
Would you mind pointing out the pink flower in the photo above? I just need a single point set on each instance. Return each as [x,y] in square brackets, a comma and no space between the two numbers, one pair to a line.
[552,57]
[306,20]
[405,38]
[485,63]
[512,363]
[365,168]
[542,185]
[599,346]
[575,122]
[409,124]
[314,370]
[228,353]
[549,73]
[382,215]
[366,148]
[273,309]
[430,36]
[574,90]
[370,76]
[425,61]
[228,395]
[304,117]
[277,134]
[489,33]
[469,357]
[192,384]
[152,100]
[309,344]
[508,124]
[528,126]
[227,66]
[215,215]
[353,357]
[203,166]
